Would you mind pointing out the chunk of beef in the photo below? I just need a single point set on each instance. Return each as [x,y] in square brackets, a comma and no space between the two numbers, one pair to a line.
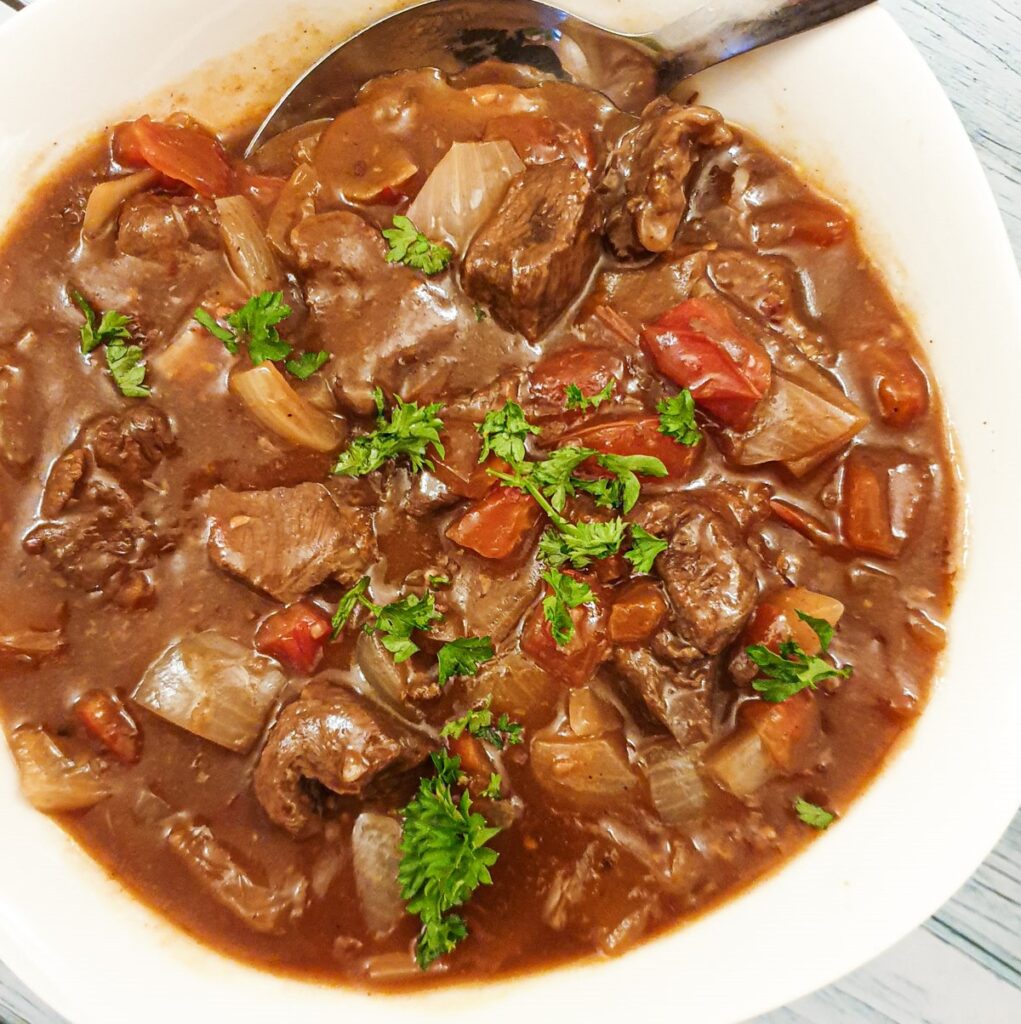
[491,598]
[131,445]
[708,568]
[675,685]
[151,225]
[645,190]
[330,740]
[533,256]
[289,539]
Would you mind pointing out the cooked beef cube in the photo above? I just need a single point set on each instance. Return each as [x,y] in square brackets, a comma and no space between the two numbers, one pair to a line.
[151,225]
[131,445]
[645,191]
[678,691]
[530,260]
[66,474]
[330,740]
[289,539]
[708,568]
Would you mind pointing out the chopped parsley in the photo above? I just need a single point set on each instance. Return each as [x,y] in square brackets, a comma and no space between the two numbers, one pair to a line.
[463,657]
[395,621]
[581,543]
[480,313]
[408,432]
[792,670]
[123,357]
[409,246]
[623,489]
[677,419]
[576,399]
[444,857]
[644,549]
[812,814]
[493,790]
[568,593]
[439,581]
[255,324]
[504,432]
[554,476]
[478,722]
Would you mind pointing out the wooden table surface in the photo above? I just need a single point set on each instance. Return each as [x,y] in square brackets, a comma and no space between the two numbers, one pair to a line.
[964,965]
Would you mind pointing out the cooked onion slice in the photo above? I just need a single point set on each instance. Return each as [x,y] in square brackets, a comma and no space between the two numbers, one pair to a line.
[213,687]
[375,842]
[50,780]
[247,247]
[677,790]
[583,771]
[264,908]
[742,764]
[106,199]
[296,201]
[278,407]
[464,188]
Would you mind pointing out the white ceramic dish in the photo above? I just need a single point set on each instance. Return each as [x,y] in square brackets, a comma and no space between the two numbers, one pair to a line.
[855,104]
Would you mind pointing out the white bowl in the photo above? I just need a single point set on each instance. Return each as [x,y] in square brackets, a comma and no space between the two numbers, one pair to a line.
[856,105]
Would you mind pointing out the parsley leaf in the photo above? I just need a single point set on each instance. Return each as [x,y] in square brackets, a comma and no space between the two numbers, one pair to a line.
[581,543]
[677,419]
[123,359]
[306,364]
[439,581]
[409,246]
[624,489]
[347,604]
[568,593]
[409,431]
[812,814]
[480,313]
[576,399]
[554,476]
[444,858]
[462,657]
[254,323]
[206,319]
[493,788]
[644,549]
[399,619]
[792,670]
[479,723]
[504,432]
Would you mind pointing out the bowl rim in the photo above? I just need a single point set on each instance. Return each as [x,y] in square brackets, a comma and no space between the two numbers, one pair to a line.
[869,904]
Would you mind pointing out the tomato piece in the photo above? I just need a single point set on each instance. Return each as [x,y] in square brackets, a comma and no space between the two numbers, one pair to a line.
[637,612]
[811,223]
[576,661]
[776,619]
[698,346]
[798,519]
[865,510]
[472,755]
[295,636]
[636,436]
[264,189]
[496,525]
[460,469]
[538,139]
[588,366]
[902,392]
[105,718]
[183,153]
[787,730]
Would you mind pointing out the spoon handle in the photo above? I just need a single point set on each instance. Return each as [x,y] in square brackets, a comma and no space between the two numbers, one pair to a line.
[715,31]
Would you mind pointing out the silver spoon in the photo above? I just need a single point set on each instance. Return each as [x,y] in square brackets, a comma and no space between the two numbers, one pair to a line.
[630,69]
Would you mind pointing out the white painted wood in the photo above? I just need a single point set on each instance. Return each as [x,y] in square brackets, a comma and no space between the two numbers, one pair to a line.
[964,966]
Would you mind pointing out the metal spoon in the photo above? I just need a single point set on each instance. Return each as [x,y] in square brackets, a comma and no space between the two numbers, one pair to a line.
[630,69]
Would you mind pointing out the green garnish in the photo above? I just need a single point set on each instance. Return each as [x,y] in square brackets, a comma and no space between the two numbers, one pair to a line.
[480,313]
[504,432]
[395,621]
[409,431]
[123,359]
[554,476]
[439,581]
[677,419]
[792,670]
[623,490]
[255,324]
[581,543]
[409,246]
[812,814]
[644,549]
[478,722]
[462,657]
[576,399]
[493,790]
[444,857]
[568,593]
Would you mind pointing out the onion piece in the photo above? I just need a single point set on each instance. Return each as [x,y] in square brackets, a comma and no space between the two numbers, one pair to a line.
[278,407]
[464,189]
[384,678]
[296,201]
[31,644]
[517,686]
[677,790]
[742,764]
[375,844]
[106,199]
[587,771]
[248,251]
[590,715]
[214,687]
[278,156]
[263,908]
[192,355]
[50,780]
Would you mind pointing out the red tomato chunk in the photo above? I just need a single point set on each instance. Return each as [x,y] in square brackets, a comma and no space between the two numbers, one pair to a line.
[295,636]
